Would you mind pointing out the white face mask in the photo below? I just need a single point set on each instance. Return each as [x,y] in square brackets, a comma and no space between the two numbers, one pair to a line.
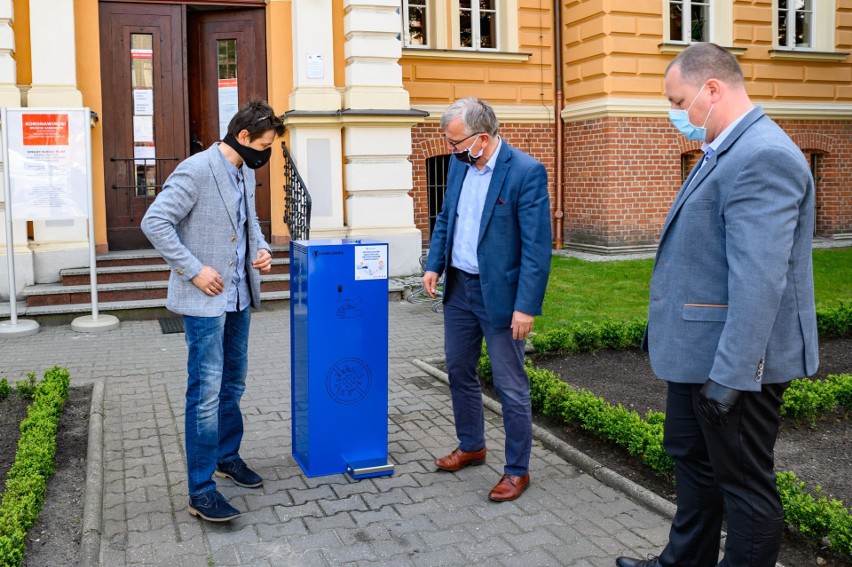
[680,120]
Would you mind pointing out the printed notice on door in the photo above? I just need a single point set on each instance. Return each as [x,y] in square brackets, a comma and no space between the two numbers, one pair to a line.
[48,165]
[371,262]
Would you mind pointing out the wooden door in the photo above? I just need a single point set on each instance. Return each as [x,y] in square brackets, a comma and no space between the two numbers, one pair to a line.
[166,69]
[226,66]
[144,110]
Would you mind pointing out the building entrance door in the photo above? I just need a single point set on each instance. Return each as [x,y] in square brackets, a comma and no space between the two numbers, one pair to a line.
[172,77]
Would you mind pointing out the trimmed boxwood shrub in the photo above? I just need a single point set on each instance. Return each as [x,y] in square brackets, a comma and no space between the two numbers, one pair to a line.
[34,464]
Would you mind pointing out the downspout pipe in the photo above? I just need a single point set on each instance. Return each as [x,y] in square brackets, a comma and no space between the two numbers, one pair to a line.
[559,131]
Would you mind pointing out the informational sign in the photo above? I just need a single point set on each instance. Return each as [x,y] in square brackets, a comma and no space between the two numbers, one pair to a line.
[228,103]
[315,68]
[143,102]
[371,262]
[49,171]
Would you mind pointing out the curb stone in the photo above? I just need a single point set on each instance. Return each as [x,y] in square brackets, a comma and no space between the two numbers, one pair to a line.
[90,543]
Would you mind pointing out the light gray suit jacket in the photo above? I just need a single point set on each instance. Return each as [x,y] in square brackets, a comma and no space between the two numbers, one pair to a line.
[732,293]
[193,222]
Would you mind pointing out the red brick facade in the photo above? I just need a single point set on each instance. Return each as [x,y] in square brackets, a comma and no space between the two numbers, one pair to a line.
[621,174]
[536,140]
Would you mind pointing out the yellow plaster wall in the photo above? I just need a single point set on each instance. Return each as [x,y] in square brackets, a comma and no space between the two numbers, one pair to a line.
[440,77]
[88,61]
[21,29]
[279,68]
[613,49]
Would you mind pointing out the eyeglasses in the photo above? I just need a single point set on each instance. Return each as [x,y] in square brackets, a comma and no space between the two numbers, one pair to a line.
[272,118]
[455,145]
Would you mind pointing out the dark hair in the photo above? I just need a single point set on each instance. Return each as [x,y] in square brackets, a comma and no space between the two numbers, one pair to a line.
[476,114]
[702,61]
[257,118]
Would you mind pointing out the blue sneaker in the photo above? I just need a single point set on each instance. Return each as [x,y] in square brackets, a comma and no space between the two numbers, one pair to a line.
[238,471]
[213,507]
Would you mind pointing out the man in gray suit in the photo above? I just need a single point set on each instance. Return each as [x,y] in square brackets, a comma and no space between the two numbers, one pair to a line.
[732,317]
[205,226]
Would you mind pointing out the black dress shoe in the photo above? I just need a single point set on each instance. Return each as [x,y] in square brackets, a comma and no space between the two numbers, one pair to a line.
[629,562]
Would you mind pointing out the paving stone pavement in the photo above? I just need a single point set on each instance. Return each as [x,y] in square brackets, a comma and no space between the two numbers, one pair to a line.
[417,517]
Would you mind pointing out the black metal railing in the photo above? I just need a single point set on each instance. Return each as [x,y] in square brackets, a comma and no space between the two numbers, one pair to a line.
[135,179]
[297,200]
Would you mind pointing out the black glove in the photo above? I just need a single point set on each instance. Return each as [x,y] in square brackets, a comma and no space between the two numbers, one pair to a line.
[716,401]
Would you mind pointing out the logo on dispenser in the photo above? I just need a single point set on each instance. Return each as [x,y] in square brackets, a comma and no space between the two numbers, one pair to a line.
[348,381]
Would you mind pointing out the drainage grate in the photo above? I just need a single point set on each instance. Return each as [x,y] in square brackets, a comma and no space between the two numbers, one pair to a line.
[171,325]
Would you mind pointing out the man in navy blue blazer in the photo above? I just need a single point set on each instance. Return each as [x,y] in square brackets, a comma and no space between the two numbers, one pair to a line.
[732,318]
[492,238]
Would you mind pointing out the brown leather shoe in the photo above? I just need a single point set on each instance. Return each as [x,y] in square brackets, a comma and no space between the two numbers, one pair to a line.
[510,487]
[458,460]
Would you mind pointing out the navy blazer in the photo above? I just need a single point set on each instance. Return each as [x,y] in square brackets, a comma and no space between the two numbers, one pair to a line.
[514,235]
[732,291]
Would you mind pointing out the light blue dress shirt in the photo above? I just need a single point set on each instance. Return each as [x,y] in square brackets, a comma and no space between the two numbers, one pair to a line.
[469,214]
[238,291]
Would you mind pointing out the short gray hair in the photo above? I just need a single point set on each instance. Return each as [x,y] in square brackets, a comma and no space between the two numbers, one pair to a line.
[476,114]
[702,61]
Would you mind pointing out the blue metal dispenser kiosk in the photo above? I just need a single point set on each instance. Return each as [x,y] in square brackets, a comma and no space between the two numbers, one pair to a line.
[339,356]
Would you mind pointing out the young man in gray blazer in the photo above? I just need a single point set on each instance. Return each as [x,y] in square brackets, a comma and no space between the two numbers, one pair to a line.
[732,318]
[492,238]
[204,224]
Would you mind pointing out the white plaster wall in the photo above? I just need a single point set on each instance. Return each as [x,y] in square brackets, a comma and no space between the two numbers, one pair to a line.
[318,157]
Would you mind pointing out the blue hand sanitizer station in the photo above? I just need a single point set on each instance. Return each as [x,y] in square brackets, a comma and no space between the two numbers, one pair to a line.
[339,356]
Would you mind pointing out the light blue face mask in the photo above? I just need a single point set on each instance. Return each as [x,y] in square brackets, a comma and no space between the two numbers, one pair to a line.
[680,120]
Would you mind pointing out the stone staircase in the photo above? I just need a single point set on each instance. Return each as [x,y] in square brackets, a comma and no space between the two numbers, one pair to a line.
[131,285]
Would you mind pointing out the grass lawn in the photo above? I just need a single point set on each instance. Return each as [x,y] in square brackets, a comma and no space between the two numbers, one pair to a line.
[581,290]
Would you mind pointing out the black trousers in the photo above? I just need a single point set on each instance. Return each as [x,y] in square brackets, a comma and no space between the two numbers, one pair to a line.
[729,468]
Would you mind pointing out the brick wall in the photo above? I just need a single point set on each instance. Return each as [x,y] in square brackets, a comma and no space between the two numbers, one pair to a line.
[622,174]
[427,141]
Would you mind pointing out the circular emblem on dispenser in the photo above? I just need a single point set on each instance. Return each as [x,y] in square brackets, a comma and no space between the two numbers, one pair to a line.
[348,381]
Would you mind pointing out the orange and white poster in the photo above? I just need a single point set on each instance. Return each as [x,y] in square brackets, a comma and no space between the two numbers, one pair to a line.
[49,165]
[44,129]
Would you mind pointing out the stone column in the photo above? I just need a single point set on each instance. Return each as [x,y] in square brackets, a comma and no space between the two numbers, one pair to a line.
[377,122]
[313,120]
[60,243]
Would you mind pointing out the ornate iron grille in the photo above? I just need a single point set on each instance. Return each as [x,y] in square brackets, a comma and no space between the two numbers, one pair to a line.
[297,200]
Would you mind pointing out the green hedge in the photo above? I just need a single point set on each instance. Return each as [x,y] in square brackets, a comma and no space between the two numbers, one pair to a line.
[822,520]
[809,399]
[827,522]
[34,464]
[588,336]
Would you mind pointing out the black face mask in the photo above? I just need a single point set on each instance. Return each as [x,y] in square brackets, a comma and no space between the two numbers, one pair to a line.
[465,156]
[251,157]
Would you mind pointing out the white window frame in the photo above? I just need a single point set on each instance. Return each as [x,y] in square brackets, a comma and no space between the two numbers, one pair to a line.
[822,27]
[429,12]
[721,24]
[476,33]
[443,19]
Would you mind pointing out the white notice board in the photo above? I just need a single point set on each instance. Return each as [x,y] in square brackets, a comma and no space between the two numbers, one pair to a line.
[49,166]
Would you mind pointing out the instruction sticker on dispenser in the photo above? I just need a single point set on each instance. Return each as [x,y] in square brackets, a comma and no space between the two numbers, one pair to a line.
[371,262]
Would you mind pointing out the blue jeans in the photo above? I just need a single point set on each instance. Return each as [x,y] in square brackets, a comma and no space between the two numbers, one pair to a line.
[216,366]
[465,324]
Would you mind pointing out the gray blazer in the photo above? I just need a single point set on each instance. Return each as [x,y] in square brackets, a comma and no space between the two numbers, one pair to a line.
[192,223]
[732,292]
